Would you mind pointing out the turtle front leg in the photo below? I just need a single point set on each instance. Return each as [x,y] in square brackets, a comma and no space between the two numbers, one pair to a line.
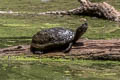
[68,48]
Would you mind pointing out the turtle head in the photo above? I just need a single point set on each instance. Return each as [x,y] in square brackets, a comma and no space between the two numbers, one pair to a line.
[80,31]
[82,28]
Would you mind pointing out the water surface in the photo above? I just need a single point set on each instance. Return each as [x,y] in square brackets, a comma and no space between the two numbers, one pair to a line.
[80,70]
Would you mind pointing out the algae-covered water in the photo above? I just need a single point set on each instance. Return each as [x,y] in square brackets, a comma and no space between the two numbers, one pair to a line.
[58,69]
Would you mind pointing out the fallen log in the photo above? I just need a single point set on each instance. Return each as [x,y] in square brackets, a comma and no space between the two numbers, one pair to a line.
[92,49]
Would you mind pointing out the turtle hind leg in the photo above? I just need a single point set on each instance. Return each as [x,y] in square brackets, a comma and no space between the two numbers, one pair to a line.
[68,48]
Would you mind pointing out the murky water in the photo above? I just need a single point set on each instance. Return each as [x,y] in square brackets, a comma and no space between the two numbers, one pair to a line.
[36,70]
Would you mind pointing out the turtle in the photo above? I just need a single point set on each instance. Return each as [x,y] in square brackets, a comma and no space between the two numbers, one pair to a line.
[56,38]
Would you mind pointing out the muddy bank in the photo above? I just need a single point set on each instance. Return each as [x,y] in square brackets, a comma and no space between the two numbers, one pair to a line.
[91,49]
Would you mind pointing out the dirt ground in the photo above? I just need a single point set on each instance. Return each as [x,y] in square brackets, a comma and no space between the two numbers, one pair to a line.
[84,49]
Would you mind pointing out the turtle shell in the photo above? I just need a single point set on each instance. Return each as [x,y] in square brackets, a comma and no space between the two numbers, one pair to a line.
[53,38]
